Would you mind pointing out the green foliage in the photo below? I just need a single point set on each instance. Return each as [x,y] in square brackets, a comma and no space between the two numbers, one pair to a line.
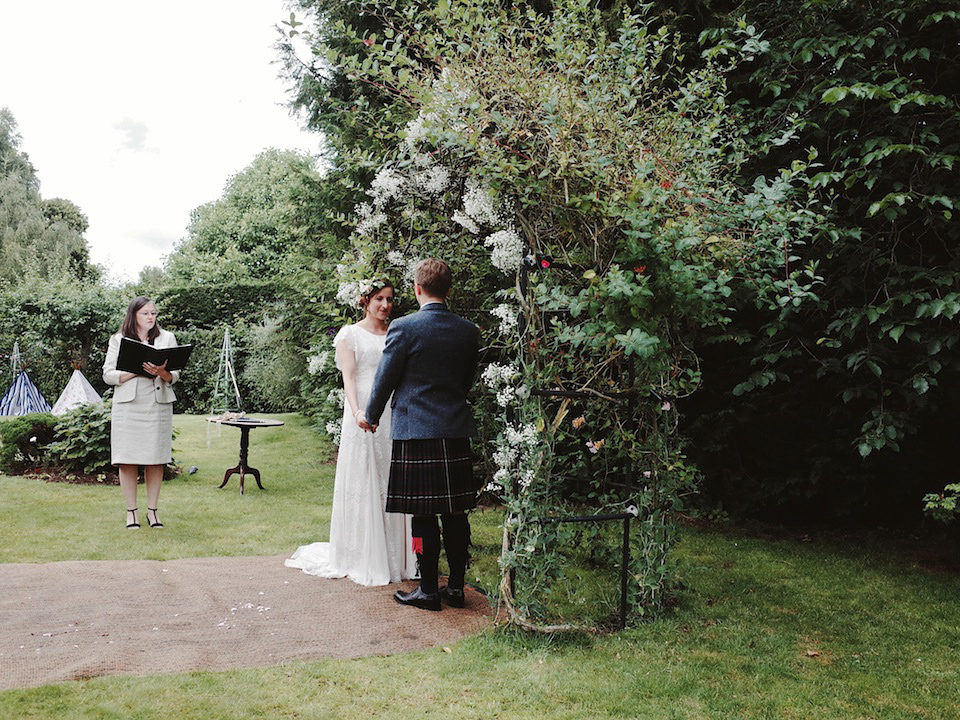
[273,368]
[23,441]
[196,385]
[863,382]
[608,167]
[39,239]
[212,308]
[943,506]
[237,269]
[250,232]
[268,363]
[321,384]
[60,326]
[82,439]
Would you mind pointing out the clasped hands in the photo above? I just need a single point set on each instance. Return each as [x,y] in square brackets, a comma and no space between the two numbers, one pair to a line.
[159,371]
[362,422]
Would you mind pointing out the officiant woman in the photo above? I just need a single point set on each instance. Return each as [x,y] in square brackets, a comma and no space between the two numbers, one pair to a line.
[141,427]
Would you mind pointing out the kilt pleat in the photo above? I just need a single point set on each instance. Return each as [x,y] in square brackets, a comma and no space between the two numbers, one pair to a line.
[430,477]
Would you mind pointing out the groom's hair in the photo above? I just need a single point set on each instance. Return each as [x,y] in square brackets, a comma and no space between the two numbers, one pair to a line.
[434,276]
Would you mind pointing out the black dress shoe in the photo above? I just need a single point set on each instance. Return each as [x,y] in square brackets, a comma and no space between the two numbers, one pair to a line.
[453,598]
[418,598]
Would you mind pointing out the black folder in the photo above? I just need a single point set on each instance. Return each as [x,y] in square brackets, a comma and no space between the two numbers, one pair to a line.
[133,354]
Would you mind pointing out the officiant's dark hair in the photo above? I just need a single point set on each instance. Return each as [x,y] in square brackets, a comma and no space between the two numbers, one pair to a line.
[434,276]
[129,327]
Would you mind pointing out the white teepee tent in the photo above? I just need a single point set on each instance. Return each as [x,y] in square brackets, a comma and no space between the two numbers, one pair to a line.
[78,391]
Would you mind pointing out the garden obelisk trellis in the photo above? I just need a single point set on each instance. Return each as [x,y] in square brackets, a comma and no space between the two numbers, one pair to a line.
[223,399]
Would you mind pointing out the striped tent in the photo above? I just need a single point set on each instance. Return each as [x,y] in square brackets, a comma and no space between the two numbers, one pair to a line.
[23,397]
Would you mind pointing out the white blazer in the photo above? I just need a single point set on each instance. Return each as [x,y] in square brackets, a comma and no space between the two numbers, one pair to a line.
[127,391]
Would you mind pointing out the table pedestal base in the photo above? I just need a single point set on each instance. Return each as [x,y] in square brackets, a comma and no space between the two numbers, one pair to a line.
[242,468]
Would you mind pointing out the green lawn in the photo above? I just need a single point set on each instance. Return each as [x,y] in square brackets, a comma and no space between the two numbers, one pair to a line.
[765,627]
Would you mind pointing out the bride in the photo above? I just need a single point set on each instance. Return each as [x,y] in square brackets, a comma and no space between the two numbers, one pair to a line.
[368,545]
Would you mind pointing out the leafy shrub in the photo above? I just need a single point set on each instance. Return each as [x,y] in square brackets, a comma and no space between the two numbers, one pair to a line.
[195,388]
[273,369]
[943,506]
[23,440]
[60,326]
[215,306]
[82,442]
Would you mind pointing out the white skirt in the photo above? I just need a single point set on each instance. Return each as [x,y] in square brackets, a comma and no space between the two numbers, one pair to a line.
[141,431]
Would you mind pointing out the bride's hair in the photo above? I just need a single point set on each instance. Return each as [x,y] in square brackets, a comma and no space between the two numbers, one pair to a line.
[372,289]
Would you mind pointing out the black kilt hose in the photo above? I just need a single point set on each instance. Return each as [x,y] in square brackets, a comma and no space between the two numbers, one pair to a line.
[431,477]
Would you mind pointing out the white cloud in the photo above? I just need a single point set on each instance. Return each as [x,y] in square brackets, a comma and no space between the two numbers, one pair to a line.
[136,134]
[140,112]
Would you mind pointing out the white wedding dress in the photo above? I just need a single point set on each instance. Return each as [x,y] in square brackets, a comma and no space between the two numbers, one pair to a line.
[367,544]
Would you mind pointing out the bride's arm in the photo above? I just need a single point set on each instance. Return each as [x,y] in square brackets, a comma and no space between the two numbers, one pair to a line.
[347,362]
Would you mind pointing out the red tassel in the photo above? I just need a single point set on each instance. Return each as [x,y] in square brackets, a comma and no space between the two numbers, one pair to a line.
[418,545]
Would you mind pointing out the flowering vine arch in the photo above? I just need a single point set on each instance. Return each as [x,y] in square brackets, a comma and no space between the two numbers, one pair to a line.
[580,185]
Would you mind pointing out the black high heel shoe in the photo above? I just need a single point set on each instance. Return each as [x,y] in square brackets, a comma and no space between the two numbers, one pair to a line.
[132,517]
[155,522]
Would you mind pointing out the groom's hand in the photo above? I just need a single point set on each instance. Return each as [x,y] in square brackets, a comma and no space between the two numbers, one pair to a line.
[363,424]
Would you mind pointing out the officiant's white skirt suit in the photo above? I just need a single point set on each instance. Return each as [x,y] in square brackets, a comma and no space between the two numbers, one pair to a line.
[141,420]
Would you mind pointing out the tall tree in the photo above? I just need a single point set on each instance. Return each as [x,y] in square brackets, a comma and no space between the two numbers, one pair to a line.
[39,238]
[255,229]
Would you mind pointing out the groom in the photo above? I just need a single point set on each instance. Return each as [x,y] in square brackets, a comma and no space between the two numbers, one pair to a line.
[429,364]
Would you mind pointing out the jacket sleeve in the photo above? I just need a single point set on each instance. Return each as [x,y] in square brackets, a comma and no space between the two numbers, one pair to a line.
[389,372]
[111,376]
[170,340]
[470,376]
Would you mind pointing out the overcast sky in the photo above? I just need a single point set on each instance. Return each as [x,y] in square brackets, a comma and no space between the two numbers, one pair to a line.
[139,112]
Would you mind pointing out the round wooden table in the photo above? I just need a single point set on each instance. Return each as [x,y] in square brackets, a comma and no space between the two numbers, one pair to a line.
[246,425]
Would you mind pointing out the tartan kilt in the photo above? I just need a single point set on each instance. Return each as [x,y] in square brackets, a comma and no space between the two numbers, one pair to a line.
[431,477]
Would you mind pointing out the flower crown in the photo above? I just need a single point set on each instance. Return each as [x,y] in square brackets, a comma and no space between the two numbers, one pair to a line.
[371,287]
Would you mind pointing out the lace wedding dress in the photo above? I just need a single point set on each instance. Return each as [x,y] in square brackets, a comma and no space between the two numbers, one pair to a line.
[368,545]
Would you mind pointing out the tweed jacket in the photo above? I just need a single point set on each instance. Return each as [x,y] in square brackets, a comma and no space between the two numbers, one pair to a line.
[126,392]
[429,364]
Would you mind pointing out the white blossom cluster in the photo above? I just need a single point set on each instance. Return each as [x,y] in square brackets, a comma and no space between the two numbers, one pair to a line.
[396,258]
[336,397]
[418,129]
[506,395]
[514,458]
[347,293]
[334,430]
[496,375]
[370,219]
[464,220]
[504,457]
[500,378]
[507,250]
[508,318]
[479,208]
[525,436]
[450,84]
[433,180]
[386,185]
[318,363]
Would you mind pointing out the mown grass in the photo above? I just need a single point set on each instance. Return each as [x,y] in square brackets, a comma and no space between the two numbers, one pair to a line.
[766,627]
